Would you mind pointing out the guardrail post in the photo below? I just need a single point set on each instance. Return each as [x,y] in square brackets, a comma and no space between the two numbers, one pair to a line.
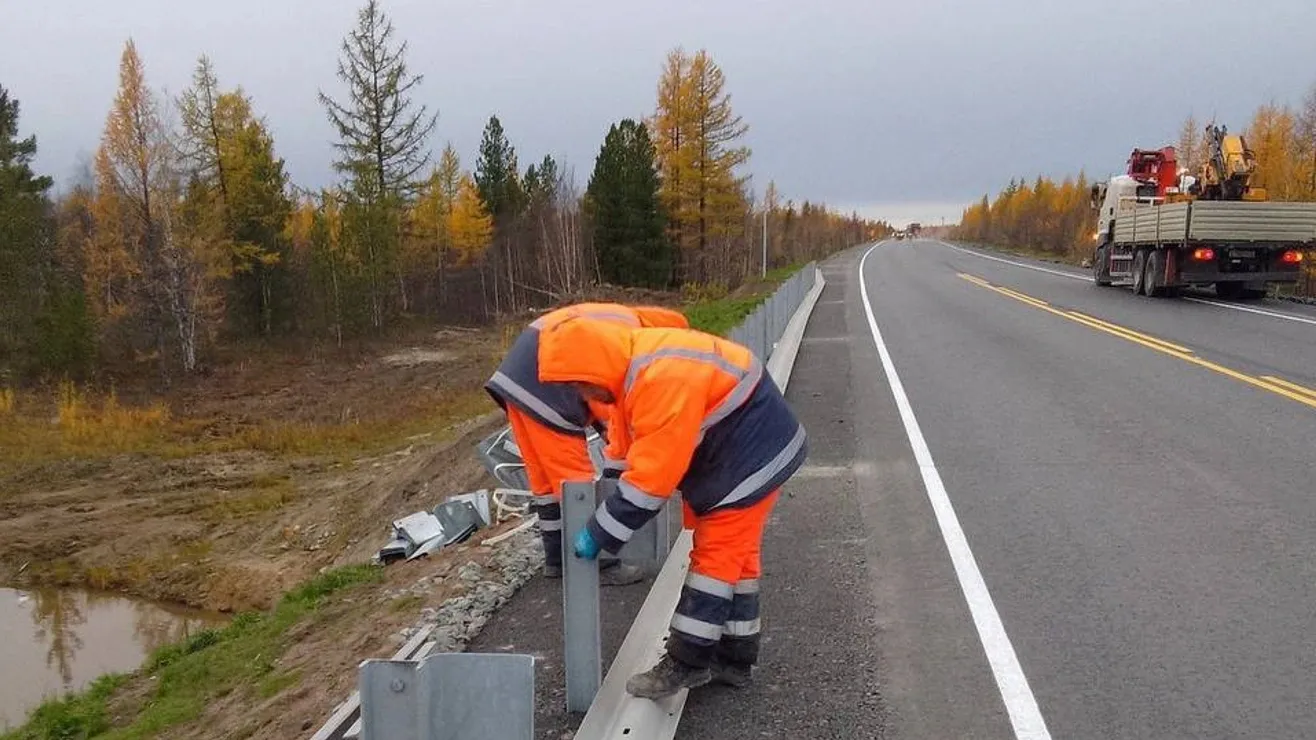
[582,653]
[765,347]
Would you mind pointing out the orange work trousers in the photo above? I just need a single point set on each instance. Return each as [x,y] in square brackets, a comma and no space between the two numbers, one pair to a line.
[718,614]
[551,457]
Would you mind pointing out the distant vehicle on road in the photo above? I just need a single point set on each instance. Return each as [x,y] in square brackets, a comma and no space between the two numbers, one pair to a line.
[1160,230]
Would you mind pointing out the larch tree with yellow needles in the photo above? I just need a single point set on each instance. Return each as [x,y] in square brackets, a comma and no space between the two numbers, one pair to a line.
[696,135]
[429,241]
[150,246]
[237,186]
[469,224]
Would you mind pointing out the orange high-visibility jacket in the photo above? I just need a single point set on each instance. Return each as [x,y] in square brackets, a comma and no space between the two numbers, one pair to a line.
[693,412]
[560,407]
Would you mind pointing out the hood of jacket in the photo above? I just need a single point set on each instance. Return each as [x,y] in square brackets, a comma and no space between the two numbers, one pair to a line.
[584,350]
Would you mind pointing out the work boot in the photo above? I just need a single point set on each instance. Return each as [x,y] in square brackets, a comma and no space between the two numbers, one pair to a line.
[618,574]
[736,675]
[621,574]
[667,678]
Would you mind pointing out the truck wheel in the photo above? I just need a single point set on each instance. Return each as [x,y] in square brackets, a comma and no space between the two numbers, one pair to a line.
[1139,268]
[1101,267]
[1151,275]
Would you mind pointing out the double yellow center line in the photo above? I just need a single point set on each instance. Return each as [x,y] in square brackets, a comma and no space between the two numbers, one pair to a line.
[1279,386]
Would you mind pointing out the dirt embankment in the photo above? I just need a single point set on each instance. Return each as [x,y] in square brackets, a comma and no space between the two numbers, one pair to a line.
[224,489]
[268,468]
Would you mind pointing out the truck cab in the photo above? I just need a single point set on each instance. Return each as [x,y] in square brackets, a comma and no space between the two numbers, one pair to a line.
[1114,198]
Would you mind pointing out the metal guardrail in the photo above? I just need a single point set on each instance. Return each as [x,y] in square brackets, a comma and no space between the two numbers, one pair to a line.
[761,330]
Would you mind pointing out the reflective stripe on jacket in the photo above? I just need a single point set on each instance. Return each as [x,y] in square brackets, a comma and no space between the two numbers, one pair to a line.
[559,406]
[696,413]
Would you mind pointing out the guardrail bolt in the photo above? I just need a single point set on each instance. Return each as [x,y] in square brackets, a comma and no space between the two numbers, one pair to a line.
[397,685]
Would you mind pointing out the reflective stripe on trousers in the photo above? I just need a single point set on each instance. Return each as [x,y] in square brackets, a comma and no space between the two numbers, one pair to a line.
[718,612]
[710,610]
[550,531]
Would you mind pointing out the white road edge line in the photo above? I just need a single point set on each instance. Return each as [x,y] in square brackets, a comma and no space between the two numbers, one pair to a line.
[1024,265]
[1249,309]
[1073,276]
[1025,716]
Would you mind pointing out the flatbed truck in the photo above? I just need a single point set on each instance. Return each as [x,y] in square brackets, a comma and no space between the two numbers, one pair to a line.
[1158,248]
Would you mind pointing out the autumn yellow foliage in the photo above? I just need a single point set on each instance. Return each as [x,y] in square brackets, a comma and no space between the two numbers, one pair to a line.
[1284,144]
[1044,217]
[109,423]
[469,224]
[695,134]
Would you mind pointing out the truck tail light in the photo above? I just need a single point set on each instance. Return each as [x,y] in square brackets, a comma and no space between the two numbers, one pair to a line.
[1291,257]
[1204,254]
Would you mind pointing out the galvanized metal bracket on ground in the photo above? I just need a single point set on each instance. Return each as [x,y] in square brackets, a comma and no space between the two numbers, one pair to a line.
[449,696]
[615,714]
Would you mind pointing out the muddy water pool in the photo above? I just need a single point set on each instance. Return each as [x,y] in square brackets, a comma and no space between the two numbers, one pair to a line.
[53,641]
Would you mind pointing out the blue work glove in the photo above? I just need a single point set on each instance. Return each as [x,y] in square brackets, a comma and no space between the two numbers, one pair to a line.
[584,545]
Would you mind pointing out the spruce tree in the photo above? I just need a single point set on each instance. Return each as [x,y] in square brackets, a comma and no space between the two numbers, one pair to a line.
[496,175]
[44,322]
[623,201]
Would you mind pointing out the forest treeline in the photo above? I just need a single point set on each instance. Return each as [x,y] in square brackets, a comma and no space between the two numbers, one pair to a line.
[1056,218]
[188,232]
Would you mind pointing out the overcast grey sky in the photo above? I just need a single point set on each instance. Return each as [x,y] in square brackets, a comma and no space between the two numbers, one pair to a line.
[904,110]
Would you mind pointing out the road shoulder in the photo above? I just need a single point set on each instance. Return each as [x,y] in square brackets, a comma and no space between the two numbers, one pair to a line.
[866,631]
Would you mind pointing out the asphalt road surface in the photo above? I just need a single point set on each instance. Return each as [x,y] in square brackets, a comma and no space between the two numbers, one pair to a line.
[1077,514]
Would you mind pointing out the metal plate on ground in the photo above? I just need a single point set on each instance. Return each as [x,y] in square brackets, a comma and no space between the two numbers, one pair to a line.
[449,696]
[459,520]
[418,528]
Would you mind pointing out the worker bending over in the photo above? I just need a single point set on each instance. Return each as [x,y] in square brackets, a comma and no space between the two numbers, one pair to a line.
[696,413]
[550,422]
